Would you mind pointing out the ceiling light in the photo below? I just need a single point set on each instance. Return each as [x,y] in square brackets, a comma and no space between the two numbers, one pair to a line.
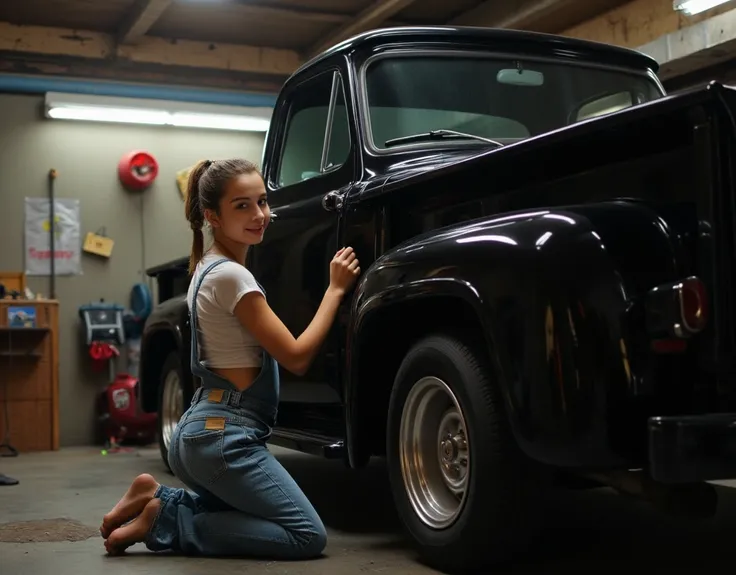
[691,7]
[219,122]
[156,112]
[122,115]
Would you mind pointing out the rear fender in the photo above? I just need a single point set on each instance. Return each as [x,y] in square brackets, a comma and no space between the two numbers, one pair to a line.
[166,330]
[550,304]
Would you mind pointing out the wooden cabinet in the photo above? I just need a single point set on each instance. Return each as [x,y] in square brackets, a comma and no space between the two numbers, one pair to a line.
[29,374]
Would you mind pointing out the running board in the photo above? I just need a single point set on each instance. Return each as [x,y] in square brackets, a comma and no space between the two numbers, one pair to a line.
[312,443]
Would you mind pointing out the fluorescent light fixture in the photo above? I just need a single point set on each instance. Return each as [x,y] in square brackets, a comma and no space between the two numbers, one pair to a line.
[156,112]
[691,7]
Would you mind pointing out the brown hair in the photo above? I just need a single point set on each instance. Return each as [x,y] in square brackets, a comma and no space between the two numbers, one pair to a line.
[206,186]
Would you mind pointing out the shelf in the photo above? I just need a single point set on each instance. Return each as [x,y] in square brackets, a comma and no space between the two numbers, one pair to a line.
[10,350]
[35,330]
[18,353]
[29,376]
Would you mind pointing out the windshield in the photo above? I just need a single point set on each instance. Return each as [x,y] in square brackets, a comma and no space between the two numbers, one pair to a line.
[490,97]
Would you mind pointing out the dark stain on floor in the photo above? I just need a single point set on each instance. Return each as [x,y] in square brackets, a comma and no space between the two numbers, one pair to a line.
[46,531]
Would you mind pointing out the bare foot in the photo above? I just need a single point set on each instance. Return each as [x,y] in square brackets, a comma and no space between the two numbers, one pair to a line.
[135,531]
[130,505]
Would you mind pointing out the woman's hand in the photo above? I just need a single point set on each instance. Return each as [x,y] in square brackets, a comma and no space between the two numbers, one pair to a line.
[344,270]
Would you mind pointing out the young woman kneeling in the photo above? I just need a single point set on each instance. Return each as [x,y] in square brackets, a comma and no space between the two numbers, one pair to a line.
[242,501]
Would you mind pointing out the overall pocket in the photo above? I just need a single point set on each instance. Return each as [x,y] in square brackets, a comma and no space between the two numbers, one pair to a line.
[200,449]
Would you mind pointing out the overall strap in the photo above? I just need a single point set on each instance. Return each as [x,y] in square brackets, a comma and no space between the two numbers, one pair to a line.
[193,312]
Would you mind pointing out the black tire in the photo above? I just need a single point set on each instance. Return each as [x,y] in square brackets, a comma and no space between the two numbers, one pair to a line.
[172,381]
[493,521]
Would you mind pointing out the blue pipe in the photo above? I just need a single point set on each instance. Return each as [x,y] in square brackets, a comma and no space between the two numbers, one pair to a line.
[43,84]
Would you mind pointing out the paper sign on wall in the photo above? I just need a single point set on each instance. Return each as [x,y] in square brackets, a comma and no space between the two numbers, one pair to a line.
[67,237]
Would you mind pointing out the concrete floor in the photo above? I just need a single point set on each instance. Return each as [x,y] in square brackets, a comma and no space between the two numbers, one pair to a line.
[587,530]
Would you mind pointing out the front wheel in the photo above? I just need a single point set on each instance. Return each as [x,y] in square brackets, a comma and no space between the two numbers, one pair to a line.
[171,403]
[460,484]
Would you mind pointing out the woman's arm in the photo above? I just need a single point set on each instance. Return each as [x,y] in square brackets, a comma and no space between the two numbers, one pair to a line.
[297,354]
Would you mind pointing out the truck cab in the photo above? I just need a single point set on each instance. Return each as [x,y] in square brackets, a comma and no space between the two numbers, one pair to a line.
[354,126]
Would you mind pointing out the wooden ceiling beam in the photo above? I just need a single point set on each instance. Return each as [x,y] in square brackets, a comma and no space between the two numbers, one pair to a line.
[139,20]
[119,71]
[375,14]
[278,14]
[639,22]
[98,46]
[494,14]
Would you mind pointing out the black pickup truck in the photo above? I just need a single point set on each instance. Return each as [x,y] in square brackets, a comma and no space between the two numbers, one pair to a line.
[548,242]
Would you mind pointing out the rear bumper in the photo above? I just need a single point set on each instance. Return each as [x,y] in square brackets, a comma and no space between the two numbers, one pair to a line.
[691,448]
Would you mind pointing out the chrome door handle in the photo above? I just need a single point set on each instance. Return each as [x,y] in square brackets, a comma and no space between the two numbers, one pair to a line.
[332,201]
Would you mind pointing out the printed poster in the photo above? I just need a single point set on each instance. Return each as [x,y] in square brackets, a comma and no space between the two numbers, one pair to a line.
[67,237]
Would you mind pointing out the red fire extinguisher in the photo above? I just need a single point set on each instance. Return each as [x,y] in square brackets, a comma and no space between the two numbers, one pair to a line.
[137,170]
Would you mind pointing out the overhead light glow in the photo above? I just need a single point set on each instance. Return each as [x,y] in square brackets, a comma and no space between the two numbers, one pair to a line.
[156,112]
[122,115]
[219,122]
[492,238]
[692,7]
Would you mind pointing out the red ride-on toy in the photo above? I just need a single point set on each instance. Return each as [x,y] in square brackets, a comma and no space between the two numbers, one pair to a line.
[107,326]
[120,414]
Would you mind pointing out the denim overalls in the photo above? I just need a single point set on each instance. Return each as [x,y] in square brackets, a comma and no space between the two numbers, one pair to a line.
[243,502]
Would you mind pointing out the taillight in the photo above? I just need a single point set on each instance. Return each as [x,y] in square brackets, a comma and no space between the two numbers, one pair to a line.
[693,304]
[678,309]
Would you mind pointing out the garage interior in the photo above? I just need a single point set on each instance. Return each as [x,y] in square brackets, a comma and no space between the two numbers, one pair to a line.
[217,54]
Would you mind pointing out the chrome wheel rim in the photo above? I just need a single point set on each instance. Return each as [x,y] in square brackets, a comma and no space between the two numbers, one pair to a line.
[434,453]
[173,406]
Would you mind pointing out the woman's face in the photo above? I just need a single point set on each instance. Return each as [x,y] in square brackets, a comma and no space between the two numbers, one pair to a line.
[244,212]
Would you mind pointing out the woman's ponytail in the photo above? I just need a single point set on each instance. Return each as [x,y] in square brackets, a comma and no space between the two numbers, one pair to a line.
[195,214]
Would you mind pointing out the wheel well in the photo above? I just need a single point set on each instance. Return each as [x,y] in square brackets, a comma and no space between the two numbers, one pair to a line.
[384,342]
[158,347]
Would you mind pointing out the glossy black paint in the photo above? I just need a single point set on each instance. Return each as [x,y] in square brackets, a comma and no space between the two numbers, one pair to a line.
[566,408]
[166,331]
[687,449]
[499,40]
[541,252]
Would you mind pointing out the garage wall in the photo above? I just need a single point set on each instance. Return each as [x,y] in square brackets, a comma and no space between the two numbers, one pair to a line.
[86,156]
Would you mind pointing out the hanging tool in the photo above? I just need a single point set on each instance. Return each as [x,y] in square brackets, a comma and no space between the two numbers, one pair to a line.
[52,234]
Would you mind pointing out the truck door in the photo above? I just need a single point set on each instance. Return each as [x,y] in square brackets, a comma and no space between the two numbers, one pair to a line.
[308,164]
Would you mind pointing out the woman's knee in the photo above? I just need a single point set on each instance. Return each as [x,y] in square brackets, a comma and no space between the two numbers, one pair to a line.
[312,541]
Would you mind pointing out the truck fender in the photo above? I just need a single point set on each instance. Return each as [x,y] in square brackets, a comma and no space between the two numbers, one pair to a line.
[549,303]
[159,338]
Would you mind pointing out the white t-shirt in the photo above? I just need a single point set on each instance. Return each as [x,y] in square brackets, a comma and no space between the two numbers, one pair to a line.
[223,341]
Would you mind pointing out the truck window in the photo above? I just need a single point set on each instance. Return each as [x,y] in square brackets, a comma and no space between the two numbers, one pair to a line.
[311,146]
[606,104]
[338,147]
[488,96]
